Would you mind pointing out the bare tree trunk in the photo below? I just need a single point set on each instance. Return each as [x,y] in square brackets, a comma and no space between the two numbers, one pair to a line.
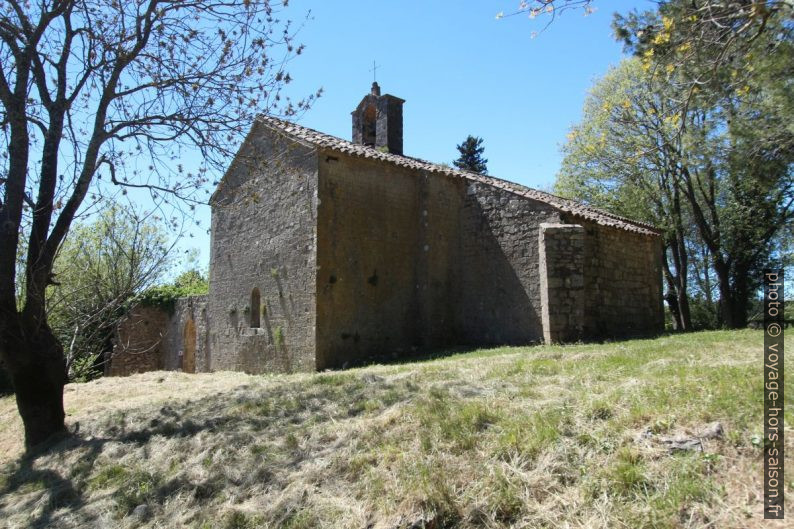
[681,263]
[681,286]
[678,297]
[672,295]
[34,360]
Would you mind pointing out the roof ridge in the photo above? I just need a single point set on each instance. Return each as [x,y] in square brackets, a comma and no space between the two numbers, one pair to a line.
[567,205]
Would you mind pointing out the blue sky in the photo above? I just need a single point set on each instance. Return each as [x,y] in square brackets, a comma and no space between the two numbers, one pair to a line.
[460,70]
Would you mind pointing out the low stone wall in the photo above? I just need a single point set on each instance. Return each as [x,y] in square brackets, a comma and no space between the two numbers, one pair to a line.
[136,347]
[184,345]
[150,338]
[601,282]
[623,284]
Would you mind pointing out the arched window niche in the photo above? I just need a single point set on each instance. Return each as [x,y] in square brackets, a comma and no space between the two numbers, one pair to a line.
[256,309]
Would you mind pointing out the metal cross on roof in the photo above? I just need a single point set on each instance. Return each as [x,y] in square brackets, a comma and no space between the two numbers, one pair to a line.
[374,71]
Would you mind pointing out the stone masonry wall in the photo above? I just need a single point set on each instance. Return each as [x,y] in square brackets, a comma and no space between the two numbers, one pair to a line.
[263,237]
[623,283]
[187,336]
[562,292]
[387,252]
[499,294]
[151,338]
[409,261]
[138,342]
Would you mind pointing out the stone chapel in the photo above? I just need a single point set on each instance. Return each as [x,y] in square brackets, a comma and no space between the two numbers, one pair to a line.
[327,253]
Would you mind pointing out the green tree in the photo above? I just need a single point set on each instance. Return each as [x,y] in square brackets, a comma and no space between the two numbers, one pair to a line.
[622,157]
[700,23]
[734,99]
[696,38]
[470,159]
[723,154]
[98,270]
[193,281]
[97,95]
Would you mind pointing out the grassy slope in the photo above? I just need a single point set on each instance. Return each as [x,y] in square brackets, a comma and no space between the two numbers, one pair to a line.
[511,437]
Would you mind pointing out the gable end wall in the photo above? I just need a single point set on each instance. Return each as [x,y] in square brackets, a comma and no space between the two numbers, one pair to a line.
[263,236]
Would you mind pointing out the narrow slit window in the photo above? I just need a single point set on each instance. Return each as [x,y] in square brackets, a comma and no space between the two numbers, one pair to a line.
[256,309]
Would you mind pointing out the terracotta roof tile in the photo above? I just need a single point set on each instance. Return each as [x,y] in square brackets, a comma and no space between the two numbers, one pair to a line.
[326,141]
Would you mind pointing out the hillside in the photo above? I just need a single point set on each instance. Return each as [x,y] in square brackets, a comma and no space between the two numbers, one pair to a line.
[576,436]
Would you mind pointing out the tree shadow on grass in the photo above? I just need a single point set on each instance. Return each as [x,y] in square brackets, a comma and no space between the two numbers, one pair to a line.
[246,413]
[62,491]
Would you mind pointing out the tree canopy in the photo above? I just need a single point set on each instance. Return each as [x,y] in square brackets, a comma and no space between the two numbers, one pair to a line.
[712,166]
[471,159]
[102,266]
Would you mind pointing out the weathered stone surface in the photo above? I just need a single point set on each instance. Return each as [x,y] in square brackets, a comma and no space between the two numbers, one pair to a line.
[137,342]
[562,295]
[500,299]
[150,338]
[378,121]
[184,344]
[141,511]
[682,443]
[622,274]
[264,222]
[713,430]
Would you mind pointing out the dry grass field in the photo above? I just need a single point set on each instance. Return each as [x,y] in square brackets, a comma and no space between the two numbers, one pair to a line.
[577,436]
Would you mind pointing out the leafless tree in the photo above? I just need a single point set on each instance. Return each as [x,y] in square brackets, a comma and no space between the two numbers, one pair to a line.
[102,93]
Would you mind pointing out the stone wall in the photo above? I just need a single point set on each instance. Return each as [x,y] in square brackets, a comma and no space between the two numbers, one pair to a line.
[410,261]
[138,341]
[263,237]
[499,293]
[562,295]
[185,342]
[387,264]
[623,283]
[150,338]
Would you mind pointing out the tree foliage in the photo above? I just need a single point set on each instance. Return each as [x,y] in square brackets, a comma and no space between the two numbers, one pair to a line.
[623,158]
[712,166]
[100,268]
[471,159]
[190,283]
[696,38]
[702,23]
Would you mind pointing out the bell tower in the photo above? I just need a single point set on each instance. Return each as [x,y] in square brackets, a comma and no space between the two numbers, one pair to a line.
[378,121]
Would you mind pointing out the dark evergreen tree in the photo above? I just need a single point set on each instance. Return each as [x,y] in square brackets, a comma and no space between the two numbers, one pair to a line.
[471,156]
